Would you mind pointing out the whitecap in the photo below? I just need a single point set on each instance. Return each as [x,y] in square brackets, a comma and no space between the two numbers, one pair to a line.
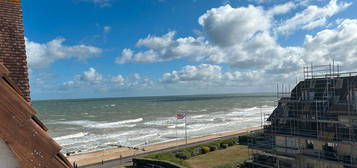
[77,135]
[197,116]
[123,123]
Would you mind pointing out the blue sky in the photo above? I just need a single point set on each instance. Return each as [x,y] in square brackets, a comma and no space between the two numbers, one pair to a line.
[116,48]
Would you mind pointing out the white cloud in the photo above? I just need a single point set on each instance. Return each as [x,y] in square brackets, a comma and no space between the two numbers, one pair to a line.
[126,56]
[282,9]
[92,76]
[194,73]
[312,17]
[156,42]
[236,36]
[339,44]
[226,26]
[91,79]
[166,48]
[118,80]
[100,3]
[42,55]
[248,43]
[208,75]
[107,29]
[137,76]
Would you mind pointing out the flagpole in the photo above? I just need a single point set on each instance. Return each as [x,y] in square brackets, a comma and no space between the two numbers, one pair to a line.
[185,129]
[176,132]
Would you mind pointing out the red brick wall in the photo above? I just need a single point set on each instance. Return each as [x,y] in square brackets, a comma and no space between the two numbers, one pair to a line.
[12,44]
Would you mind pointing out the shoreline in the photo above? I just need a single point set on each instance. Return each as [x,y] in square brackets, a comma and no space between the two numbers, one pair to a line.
[123,152]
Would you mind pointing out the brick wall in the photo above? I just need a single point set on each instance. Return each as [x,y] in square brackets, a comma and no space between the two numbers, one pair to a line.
[12,44]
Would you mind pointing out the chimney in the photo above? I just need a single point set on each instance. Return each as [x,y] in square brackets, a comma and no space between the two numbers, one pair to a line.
[12,44]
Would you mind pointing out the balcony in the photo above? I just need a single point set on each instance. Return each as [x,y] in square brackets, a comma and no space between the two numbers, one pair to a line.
[329,134]
[330,155]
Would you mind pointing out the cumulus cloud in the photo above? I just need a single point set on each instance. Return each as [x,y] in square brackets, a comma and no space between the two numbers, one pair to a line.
[312,17]
[91,79]
[42,55]
[240,37]
[118,80]
[92,76]
[226,26]
[206,73]
[194,73]
[244,38]
[156,42]
[282,8]
[166,48]
[339,44]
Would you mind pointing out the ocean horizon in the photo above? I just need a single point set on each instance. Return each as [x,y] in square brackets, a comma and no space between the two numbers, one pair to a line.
[91,124]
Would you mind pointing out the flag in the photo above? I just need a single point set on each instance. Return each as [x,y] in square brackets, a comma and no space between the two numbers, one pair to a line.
[180,115]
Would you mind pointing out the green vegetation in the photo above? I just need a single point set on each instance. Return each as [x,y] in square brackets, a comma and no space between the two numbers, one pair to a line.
[227,158]
[147,162]
[182,156]
[168,156]
[128,165]
[205,149]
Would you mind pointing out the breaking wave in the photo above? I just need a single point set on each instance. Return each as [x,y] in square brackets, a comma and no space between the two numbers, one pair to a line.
[94,124]
[77,135]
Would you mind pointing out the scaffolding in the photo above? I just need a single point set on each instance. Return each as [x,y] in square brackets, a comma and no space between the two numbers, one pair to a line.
[320,109]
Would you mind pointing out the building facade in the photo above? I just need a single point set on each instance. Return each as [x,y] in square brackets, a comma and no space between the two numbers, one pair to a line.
[313,126]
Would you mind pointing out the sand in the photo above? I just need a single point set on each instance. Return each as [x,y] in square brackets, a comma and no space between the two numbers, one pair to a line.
[117,152]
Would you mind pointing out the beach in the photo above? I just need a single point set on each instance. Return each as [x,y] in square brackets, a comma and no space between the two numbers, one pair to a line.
[88,125]
[121,152]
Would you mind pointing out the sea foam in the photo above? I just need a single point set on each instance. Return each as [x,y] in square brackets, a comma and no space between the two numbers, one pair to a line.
[77,135]
[96,124]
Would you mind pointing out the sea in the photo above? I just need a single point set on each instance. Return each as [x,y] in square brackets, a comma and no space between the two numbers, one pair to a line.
[86,125]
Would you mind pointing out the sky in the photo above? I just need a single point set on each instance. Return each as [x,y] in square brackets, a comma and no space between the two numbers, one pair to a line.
[120,48]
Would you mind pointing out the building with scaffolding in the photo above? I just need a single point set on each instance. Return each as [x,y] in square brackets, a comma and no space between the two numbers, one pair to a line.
[313,126]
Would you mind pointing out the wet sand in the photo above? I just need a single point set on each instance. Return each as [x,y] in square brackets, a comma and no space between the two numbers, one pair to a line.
[118,152]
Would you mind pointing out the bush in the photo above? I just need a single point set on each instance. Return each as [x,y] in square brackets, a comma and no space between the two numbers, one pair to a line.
[168,156]
[213,148]
[205,149]
[224,146]
[183,155]
[196,152]
[229,142]
[145,162]
[214,144]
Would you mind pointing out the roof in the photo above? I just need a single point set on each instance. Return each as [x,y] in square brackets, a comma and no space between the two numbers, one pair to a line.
[23,132]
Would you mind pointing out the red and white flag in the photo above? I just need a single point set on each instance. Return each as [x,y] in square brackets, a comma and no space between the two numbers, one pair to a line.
[180,115]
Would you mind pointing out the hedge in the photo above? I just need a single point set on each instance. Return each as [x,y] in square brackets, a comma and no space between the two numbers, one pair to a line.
[167,156]
[148,163]
[183,155]
[205,149]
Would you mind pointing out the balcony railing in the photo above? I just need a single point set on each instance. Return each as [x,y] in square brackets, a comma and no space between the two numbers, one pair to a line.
[331,156]
[342,134]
